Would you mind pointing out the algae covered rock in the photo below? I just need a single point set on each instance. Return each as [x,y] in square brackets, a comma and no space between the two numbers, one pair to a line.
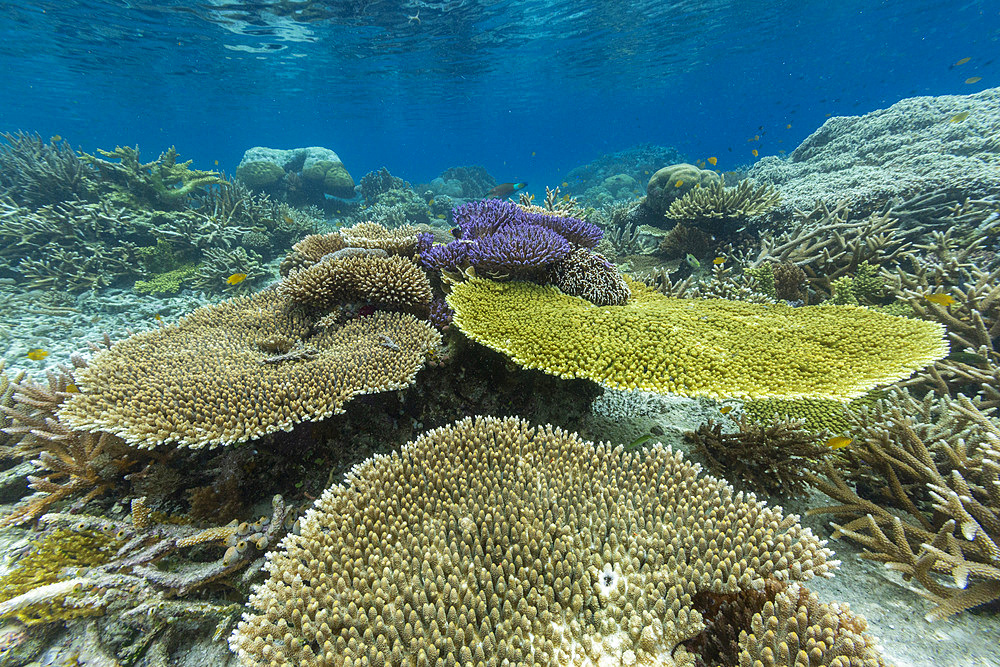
[259,174]
[673,182]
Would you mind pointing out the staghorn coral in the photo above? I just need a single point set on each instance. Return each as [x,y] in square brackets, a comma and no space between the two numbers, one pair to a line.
[35,172]
[769,458]
[620,222]
[827,244]
[696,347]
[69,464]
[491,542]
[240,369]
[163,183]
[218,264]
[716,208]
[927,496]
[386,281]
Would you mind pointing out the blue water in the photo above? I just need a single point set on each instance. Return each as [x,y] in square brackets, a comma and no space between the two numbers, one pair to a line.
[528,89]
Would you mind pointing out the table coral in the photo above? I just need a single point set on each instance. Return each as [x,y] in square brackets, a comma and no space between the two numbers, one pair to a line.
[490,541]
[699,347]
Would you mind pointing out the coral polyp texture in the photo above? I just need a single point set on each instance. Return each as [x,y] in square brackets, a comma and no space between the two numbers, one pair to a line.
[696,347]
[490,542]
[241,369]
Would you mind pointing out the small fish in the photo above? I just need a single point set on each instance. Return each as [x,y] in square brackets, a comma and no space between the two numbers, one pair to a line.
[646,172]
[532,153]
[941,299]
[236,278]
[960,62]
[959,117]
[55,138]
[565,197]
[638,441]
[440,216]
[692,261]
[216,163]
[72,389]
[754,152]
[289,219]
[505,189]
[158,317]
[699,163]
[564,184]
[37,354]
[719,260]
[726,409]
[431,202]
[713,161]
[788,127]
[974,79]
[679,183]
[839,442]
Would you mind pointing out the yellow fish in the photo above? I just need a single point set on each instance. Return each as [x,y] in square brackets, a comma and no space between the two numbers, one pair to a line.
[788,127]
[72,389]
[440,216]
[719,260]
[726,409]
[565,184]
[565,197]
[431,202]
[55,139]
[236,278]
[37,354]
[713,161]
[754,152]
[941,299]
[532,153]
[962,61]
[839,442]
[678,184]
[699,163]
[289,219]
[646,172]
[974,79]
[959,117]
[216,163]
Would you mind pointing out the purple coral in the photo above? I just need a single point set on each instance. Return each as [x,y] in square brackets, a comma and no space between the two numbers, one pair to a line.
[518,251]
[479,218]
[574,230]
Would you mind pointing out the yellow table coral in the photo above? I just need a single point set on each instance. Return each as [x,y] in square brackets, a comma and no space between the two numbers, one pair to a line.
[696,347]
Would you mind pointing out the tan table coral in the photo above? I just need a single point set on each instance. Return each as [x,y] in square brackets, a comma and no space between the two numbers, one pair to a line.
[696,347]
[241,369]
[490,542]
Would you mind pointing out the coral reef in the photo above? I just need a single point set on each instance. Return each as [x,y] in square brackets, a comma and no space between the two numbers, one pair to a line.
[472,182]
[590,276]
[671,183]
[35,172]
[926,502]
[695,347]
[769,458]
[241,369]
[298,175]
[717,209]
[911,147]
[637,162]
[544,580]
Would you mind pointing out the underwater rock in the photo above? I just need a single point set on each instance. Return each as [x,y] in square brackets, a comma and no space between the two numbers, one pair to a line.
[917,144]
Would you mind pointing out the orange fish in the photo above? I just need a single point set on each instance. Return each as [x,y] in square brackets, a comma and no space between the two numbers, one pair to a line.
[505,189]
[754,152]
[713,161]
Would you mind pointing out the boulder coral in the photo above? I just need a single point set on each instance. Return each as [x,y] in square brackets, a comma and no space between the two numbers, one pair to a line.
[673,182]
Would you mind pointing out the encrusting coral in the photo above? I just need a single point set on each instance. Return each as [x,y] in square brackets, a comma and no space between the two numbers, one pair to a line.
[493,542]
[698,347]
[927,497]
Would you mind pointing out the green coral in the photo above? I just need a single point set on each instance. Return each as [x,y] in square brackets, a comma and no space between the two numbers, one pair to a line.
[163,183]
[762,278]
[818,414]
[866,287]
[169,282]
[158,258]
[842,292]
[47,563]
[259,174]
[696,347]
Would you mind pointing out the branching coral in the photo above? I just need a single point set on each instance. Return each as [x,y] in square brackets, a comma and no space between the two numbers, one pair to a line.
[218,264]
[716,208]
[697,347]
[927,497]
[162,183]
[770,458]
[490,541]
[35,172]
